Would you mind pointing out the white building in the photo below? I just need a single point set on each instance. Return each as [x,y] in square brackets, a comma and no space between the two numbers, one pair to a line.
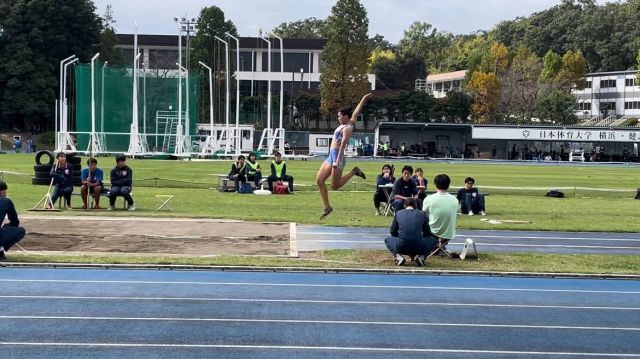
[439,84]
[609,98]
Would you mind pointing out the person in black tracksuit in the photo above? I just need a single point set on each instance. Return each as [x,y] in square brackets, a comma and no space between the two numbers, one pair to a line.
[384,178]
[410,234]
[11,233]
[62,174]
[121,181]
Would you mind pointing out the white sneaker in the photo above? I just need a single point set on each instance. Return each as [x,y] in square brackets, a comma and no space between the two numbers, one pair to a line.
[400,260]
[471,213]
[111,208]
[482,213]
[377,212]
[132,207]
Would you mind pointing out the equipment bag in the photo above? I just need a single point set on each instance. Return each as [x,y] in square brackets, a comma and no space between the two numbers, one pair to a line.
[555,193]
[245,188]
[280,188]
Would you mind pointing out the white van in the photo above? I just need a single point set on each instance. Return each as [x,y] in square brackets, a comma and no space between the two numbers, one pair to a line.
[319,144]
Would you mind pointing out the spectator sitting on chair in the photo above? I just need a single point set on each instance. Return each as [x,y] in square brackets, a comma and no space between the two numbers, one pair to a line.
[471,201]
[403,188]
[441,208]
[254,172]
[279,172]
[410,234]
[62,174]
[91,178]
[420,181]
[11,233]
[121,180]
[238,172]
[385,178]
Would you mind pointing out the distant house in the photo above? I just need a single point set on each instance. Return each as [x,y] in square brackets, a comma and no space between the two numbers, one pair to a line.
[439,84]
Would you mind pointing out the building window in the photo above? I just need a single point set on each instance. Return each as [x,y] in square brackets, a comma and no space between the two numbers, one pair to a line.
[588,85]
[607,83]
[447,86]
[607,106]
[630,82]
[456,85]
[438,86]
[632,105]
[584,106]
[322,142]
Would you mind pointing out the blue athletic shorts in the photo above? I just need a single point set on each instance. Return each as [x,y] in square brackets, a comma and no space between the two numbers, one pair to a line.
[333,156]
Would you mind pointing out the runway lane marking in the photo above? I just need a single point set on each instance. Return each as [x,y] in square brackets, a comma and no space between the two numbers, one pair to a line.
[363,234]
[309,321]
[315,348]
[309,285]
[381,243]
[315,301]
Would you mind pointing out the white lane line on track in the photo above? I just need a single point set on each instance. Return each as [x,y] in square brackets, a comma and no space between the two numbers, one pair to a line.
[315,348]
[310,285]
[381,243]
[302,233]
[314,301]
[309,321]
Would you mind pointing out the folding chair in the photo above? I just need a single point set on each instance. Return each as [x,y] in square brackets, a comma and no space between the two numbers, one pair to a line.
[164,199]
[441,249]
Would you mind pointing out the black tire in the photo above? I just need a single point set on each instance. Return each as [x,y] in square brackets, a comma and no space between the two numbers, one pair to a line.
[42,174]
[74,160]
[40,181]
[76,168]
[42,168]
[49,154]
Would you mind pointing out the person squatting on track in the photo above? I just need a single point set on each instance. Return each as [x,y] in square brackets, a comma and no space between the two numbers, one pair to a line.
[91,178]
[410,234]
[11,233]
[62,173]
[121,180]
[335,163]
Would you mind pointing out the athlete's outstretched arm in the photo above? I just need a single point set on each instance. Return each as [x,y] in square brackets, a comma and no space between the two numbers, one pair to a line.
[356,112]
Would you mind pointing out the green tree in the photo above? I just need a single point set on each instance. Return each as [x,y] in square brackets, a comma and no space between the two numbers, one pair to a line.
[556,106]
[108,39]
[36,35]
[344,78]
[378,42]
[310,28]
[211,22]
[552,64]
[422,40]
[399,73]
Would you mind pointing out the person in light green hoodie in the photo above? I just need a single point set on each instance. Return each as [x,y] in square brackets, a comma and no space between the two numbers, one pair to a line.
[441,207]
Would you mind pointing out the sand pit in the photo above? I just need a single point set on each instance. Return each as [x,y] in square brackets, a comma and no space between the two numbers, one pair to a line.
[179,236]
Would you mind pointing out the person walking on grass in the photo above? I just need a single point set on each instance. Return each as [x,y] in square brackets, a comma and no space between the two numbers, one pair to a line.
[335,163]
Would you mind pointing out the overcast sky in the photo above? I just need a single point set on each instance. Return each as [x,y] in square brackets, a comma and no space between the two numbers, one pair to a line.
[386,17]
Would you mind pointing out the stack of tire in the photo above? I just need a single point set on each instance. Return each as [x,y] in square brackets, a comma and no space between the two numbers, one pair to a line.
[42,167]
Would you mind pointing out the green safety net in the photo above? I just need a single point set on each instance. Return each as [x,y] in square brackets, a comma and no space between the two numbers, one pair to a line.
[113,88]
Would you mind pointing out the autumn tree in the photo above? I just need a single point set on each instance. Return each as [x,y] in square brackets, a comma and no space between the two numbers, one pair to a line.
[344,78]
[485,88]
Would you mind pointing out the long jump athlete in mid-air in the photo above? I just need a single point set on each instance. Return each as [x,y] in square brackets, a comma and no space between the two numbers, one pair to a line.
[334,165]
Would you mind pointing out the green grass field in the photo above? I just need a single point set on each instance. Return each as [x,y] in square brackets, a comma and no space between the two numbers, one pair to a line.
[189,181]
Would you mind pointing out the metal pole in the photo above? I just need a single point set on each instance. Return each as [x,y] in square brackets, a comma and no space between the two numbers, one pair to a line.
[226,62]
[210,95]
[268,87]
[179,74]
[237,131]
[281,84]
[102,98]
[62,68]
[64,124]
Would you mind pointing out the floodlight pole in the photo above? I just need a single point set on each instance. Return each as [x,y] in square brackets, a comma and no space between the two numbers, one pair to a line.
[93,143]
[226,102]
[281,129]
[210,143]
[267,132]
[237,131]
[102,99]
